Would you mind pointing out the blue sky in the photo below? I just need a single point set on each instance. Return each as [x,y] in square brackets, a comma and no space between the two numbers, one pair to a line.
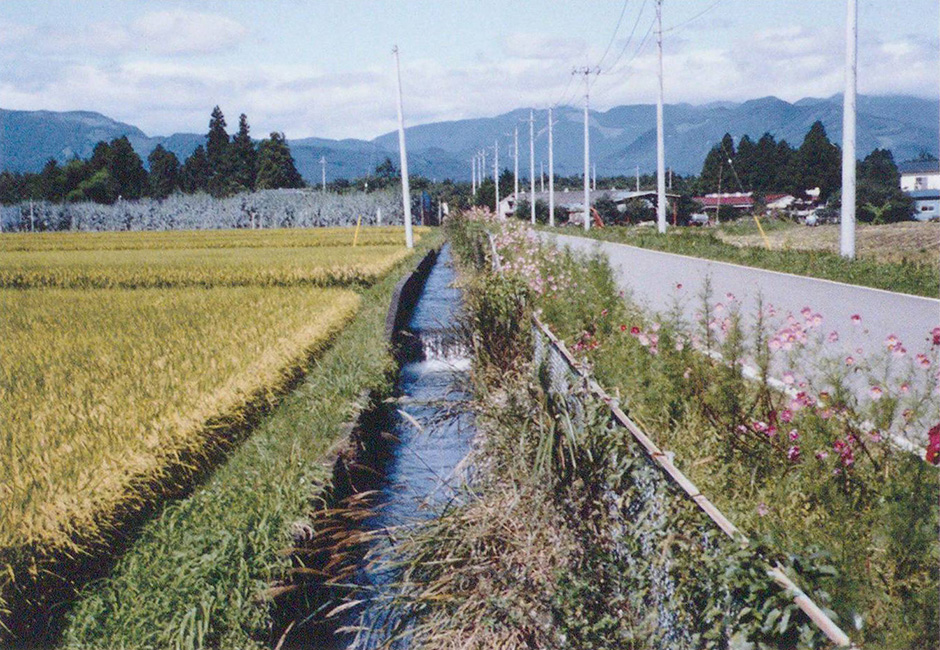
[324,68]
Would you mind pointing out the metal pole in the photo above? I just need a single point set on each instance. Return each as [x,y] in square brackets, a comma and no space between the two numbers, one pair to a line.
[587,154]
[473,175]
[551,173]
[405,188]
[542,175]
[593,177]
[660,138]
[847,227]
[637,178]
[532,164]
[323,173]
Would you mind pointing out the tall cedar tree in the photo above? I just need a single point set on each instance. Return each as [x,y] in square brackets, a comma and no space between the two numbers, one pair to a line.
[164,172]
[218,155]
[716,167]
[276,167]
[127,169]
[817,163]
[244,157]
[196,172]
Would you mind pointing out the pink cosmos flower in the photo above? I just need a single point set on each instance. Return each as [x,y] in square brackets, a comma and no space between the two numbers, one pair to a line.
[923,360]
[788,378]
[905,388]
[935,333]
[822,455]
[856,319]
[850,361]
[794,435]
[793,454]
[875,392]
[786,415]
[833,336]
[806,312]
[634,330]
[762,509]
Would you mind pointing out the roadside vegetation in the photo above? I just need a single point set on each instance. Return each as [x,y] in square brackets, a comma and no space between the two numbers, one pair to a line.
[810,474]
[913,274]
[121,398]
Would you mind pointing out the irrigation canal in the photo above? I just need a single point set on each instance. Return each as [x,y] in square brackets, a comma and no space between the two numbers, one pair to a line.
[434,432]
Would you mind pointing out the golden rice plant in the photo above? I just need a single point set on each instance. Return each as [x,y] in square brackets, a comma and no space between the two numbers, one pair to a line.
[171,239]
[106,389]
[198,267]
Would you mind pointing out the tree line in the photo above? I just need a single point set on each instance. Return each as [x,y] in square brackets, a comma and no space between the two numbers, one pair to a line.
[223,167]
[769,166]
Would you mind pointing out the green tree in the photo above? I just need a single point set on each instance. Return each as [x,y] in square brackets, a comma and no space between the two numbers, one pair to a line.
[127,169]
[76,172]
[164,172]
[100,187]
[244,157]
[818,163]
[879,198]
[717,167]
[386,170]
[52,181]
[276,168]
[746,163]
[221,181]
[195,174]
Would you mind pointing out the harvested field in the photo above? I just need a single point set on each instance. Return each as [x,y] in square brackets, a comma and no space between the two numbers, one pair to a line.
[911,241]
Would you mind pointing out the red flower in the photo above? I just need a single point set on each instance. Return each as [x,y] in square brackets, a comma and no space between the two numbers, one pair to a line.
[635,330]
[623,328]
[933,447]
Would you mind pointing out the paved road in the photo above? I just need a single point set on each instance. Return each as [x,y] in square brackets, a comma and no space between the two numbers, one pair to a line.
[651,278]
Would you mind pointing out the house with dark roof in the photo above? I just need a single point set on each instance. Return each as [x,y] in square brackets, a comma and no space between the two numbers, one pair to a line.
[920,179]
[918,175]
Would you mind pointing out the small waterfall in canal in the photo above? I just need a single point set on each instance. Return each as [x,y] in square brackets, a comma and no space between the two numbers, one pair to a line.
[433,433]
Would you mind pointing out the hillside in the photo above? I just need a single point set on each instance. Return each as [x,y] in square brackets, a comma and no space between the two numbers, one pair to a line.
[621,138]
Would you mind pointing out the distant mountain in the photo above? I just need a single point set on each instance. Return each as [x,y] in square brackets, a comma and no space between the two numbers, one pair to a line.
[621,138]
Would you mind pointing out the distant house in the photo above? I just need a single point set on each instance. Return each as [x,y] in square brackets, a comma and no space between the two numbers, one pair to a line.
[573,201]
[920,179]
[731,203]
[920,175]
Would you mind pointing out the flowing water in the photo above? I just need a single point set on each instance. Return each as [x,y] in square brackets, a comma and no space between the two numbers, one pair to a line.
[433,429]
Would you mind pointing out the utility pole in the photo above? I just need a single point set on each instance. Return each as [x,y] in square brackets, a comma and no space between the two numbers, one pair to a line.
[323,173]
[551,173]
[541,175]
[473,175]
[515,155]
[496,173]
[405,189]
[637,178]
[593,177]
[847,221]
[586,71]
[660,138]
[532,164]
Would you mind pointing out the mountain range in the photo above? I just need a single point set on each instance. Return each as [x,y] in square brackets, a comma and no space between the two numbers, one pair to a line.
[622,138]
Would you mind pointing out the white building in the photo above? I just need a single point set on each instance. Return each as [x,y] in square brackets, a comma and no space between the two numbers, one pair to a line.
[919,175]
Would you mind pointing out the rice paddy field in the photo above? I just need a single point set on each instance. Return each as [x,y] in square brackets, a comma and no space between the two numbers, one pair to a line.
[124,357]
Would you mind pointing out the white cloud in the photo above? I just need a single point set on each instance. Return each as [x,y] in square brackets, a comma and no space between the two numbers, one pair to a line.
[187,32]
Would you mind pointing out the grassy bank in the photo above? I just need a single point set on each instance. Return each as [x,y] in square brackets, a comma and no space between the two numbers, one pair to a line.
[812,477]
[196,574]
[910,275]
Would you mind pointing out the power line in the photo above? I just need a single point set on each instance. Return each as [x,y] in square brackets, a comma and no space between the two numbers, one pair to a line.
[614,35]
[629,40]
[695,17]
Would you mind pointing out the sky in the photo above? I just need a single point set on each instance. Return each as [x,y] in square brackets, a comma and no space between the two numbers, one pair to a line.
[325,68]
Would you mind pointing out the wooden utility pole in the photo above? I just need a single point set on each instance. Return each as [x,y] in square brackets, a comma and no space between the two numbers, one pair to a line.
[403,153]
